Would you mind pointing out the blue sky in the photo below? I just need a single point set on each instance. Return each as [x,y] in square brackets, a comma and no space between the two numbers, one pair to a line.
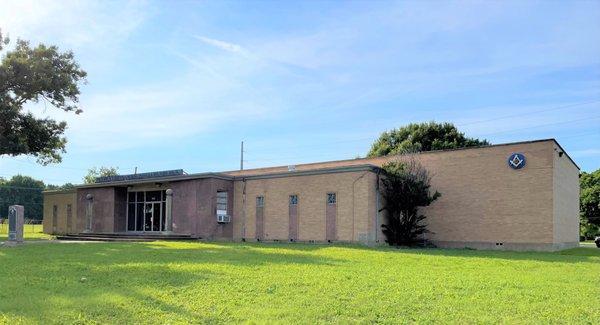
[178,84]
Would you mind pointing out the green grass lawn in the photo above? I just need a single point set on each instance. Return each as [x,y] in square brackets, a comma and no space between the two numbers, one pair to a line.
[30,232]
[179,282]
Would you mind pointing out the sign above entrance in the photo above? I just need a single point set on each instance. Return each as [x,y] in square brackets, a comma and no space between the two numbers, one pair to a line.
[516,161]
[130,177]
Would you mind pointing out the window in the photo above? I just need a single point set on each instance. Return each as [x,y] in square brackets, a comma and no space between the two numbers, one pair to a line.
[153,196]
[222,202]
[54,217]
[260,201]
[293,199]
[331,199]
[69,216]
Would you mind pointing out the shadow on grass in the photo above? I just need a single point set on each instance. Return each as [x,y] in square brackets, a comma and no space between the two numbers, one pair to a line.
[124,279]
[573,255]
[131,280]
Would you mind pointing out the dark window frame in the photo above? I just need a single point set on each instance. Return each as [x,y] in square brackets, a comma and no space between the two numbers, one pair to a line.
[331,198]
[293,199]
[260,201]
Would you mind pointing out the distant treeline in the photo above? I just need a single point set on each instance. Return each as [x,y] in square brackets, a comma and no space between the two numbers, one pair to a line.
[25,191]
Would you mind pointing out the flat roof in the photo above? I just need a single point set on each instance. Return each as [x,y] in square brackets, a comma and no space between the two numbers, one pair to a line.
[326,167]
[355,161]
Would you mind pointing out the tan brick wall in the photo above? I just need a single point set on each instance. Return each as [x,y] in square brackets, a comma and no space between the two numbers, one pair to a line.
[352,207]
[566,201]
[483,200]
[60,200]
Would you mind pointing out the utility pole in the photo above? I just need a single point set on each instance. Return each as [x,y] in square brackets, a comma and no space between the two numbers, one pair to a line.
[135,171]
[242,157]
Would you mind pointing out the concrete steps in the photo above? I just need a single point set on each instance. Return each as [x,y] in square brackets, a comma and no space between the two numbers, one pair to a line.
[123,237]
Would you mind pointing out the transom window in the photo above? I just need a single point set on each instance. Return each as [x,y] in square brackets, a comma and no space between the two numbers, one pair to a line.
[331,198]
[260,201]
[293,199]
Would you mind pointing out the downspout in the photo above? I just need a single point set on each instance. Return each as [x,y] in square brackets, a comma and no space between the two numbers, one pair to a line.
[377,204]
[354,183]
[243,209]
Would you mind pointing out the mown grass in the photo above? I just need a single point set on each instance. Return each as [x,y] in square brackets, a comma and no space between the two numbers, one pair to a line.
[30,232]
[182,282]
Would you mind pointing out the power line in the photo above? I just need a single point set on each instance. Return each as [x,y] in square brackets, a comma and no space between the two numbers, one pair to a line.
[22,188]
[543,125]
[469,123]
[529,113]
[16,159]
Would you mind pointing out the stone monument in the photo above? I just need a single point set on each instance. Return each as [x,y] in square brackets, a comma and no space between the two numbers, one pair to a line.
[16,218]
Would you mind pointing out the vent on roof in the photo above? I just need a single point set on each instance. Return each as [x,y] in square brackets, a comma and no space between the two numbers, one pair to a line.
[291,168]
[130,177]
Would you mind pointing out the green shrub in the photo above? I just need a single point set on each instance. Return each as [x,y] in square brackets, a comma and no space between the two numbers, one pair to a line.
[405,188]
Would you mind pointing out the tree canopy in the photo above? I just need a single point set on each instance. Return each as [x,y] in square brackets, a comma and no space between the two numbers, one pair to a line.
[34,74]
[25,191]
[590,202]
[417,137]
[94,173]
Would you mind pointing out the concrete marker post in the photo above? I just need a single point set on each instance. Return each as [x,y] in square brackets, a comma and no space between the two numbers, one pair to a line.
[16,220]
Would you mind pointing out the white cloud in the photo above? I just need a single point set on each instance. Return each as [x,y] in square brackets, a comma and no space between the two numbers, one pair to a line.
[160,112]
[225,46]
[72,23]
[154,110]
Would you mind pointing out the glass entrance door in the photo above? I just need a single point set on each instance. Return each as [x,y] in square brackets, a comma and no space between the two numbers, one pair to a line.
[145,211]
[153,220]
[148,216]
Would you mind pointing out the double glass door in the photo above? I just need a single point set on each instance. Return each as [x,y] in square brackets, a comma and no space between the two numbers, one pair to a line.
[146,211]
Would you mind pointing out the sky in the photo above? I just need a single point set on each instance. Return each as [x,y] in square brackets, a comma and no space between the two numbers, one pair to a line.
[179,84]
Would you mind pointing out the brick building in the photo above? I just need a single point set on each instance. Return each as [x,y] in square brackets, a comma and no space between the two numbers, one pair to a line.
[518,196]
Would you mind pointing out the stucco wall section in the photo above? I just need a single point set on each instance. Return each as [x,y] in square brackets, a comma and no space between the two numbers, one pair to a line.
[61,200]
[566,201]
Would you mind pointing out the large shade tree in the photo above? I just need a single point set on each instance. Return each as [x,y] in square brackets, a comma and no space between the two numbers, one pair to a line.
[589,204]
[31,75]
[417,137]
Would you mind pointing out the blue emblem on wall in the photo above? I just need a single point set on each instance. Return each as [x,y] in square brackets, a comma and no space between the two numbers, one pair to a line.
[516,161]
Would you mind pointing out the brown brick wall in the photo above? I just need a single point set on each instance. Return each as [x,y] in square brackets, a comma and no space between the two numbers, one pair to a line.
[103,220]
